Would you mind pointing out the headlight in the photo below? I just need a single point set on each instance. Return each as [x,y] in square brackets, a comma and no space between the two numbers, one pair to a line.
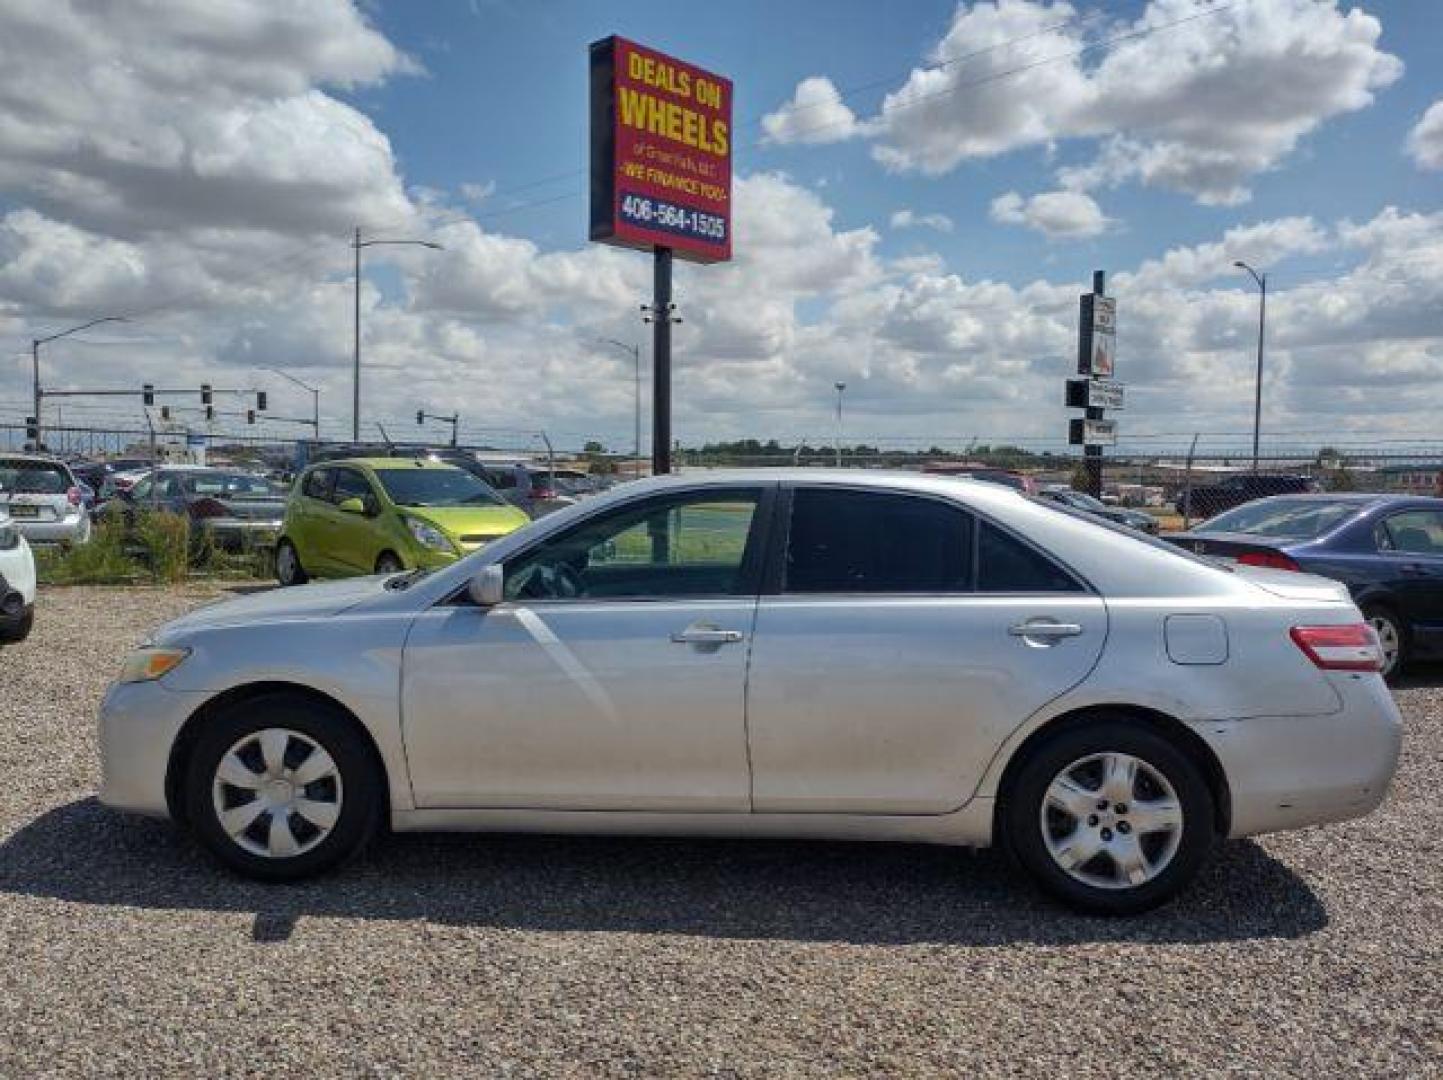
[429,536]
[9,537]
[148,664]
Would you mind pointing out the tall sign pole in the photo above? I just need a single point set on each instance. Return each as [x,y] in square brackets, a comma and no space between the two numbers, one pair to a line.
[1094,391]
[661,178]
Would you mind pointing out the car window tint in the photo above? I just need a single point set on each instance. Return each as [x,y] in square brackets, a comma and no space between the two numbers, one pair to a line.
[350,485]
[1417,532]
[688,545]
[1005,564]
[317,484]
[33,477]
[859,541]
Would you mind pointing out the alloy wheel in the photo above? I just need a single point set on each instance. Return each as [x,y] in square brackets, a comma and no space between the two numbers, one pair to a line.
[277,793]
[1389,639]
[1111,821]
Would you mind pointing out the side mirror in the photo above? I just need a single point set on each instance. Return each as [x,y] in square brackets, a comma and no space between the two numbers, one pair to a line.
[487,587]
[352,505]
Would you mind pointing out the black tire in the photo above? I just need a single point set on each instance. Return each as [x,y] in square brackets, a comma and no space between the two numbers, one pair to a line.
[289,570]
[1022,828]
[388,562]
[361,788]
[19,630]
[1384,621]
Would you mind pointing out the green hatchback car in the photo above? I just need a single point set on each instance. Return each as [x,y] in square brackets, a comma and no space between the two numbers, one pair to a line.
[383,515]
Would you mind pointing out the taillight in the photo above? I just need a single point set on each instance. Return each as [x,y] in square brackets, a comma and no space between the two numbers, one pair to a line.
[1349,647]
[1273,560]
[73,496]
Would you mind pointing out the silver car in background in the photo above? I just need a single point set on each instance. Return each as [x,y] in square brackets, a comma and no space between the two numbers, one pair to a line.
[799,653]
[45,500]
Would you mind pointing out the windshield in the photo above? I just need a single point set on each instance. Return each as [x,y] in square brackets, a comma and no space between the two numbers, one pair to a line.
[232,484]
[1293,519]
[436,487]
[33,477]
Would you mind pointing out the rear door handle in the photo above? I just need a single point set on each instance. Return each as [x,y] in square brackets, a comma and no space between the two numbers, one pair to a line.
[706,635]
[1045,630]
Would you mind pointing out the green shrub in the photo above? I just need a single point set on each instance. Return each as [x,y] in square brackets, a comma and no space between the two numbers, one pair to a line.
[103,561]
[154,547]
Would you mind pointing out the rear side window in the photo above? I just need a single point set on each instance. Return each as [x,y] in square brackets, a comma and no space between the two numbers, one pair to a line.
[1416,532]
[857,541]
[317,484]
[1006,565]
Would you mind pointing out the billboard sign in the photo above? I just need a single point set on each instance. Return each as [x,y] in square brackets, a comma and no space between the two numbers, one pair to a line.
[1089,432]
[661,153]
[1095,394]
[1097,344]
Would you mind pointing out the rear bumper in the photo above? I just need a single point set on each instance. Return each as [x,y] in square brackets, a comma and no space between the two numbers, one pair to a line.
[66,531]
[1290,772]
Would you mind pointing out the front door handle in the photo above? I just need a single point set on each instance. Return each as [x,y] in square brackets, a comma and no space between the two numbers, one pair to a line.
[706,634]
[1044,631]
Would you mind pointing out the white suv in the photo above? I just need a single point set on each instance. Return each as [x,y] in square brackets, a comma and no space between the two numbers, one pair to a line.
[17,582]
[44,499]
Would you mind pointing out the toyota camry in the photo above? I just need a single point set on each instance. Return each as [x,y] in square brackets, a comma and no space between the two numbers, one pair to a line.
[837,655]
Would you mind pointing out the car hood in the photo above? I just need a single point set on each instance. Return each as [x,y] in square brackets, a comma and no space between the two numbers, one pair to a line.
[299,602]
[470,520]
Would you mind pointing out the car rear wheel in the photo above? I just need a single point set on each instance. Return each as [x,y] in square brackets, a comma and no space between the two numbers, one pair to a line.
[1109,817]
[1391,638]
[389,563]
[281,788]
[288,565]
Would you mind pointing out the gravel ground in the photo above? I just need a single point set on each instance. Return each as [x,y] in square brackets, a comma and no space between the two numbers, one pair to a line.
[127,953]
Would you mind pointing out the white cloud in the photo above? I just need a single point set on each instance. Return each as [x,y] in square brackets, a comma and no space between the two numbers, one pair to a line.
[1261,246]
[477,193]
[910,219]
[1425,141]
[1189,96]
[815,114]
[1055,214]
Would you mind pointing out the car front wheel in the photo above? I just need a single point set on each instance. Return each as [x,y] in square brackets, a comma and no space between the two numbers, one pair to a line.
[1110,817]
[288,565]
[280,788]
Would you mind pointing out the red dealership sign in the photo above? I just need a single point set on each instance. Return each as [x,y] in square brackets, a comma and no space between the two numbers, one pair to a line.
[661,165]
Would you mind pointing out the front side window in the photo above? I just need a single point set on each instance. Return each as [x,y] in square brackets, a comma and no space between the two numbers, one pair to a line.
[317,484]
[687,545]
[876,542]
[1415,532]
[350,484]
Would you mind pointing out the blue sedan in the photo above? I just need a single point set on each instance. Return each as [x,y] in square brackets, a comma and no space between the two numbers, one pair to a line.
[1388,550]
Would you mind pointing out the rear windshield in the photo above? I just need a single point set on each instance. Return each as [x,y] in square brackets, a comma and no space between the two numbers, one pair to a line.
[33,477]
[1291,519]
[436,487]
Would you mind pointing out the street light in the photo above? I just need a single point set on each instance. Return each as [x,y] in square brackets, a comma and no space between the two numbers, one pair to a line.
[358,244]
[635,351]
[841,386]
[35,360]
[1262,281]
[315,398]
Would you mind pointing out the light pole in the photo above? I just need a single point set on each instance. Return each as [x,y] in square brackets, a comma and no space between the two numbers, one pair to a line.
[841,386]
[635,351]
[315,398]
[1262,280]
[358,244]
[35,360]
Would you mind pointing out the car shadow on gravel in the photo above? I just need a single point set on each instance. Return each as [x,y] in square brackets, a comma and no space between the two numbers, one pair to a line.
[796,891]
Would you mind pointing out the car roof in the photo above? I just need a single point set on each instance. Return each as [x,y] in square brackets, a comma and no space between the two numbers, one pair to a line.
[381,464]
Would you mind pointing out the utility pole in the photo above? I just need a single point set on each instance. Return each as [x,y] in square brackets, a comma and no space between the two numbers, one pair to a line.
[1262,283]
[35,344]
[841,388]
[634,350]
[358,244]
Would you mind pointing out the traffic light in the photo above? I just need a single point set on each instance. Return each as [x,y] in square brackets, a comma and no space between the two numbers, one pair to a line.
[205,398]
[420,416]
[147,394]
[165,412]
[210,412]
[250,416]
[32,429]
[260,400]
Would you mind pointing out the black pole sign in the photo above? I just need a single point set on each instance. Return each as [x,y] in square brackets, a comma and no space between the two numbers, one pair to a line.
[661,319]
[1095,392]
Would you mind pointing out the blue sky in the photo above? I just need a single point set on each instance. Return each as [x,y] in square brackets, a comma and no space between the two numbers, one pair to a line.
[200,169]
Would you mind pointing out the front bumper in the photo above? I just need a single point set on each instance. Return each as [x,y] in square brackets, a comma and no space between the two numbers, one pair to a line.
[138,725]
[1290,772]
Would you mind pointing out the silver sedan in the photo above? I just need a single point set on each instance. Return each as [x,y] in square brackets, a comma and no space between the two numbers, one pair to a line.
[774,653]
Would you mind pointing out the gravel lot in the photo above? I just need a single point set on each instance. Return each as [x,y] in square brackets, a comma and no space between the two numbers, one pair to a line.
[126,952]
